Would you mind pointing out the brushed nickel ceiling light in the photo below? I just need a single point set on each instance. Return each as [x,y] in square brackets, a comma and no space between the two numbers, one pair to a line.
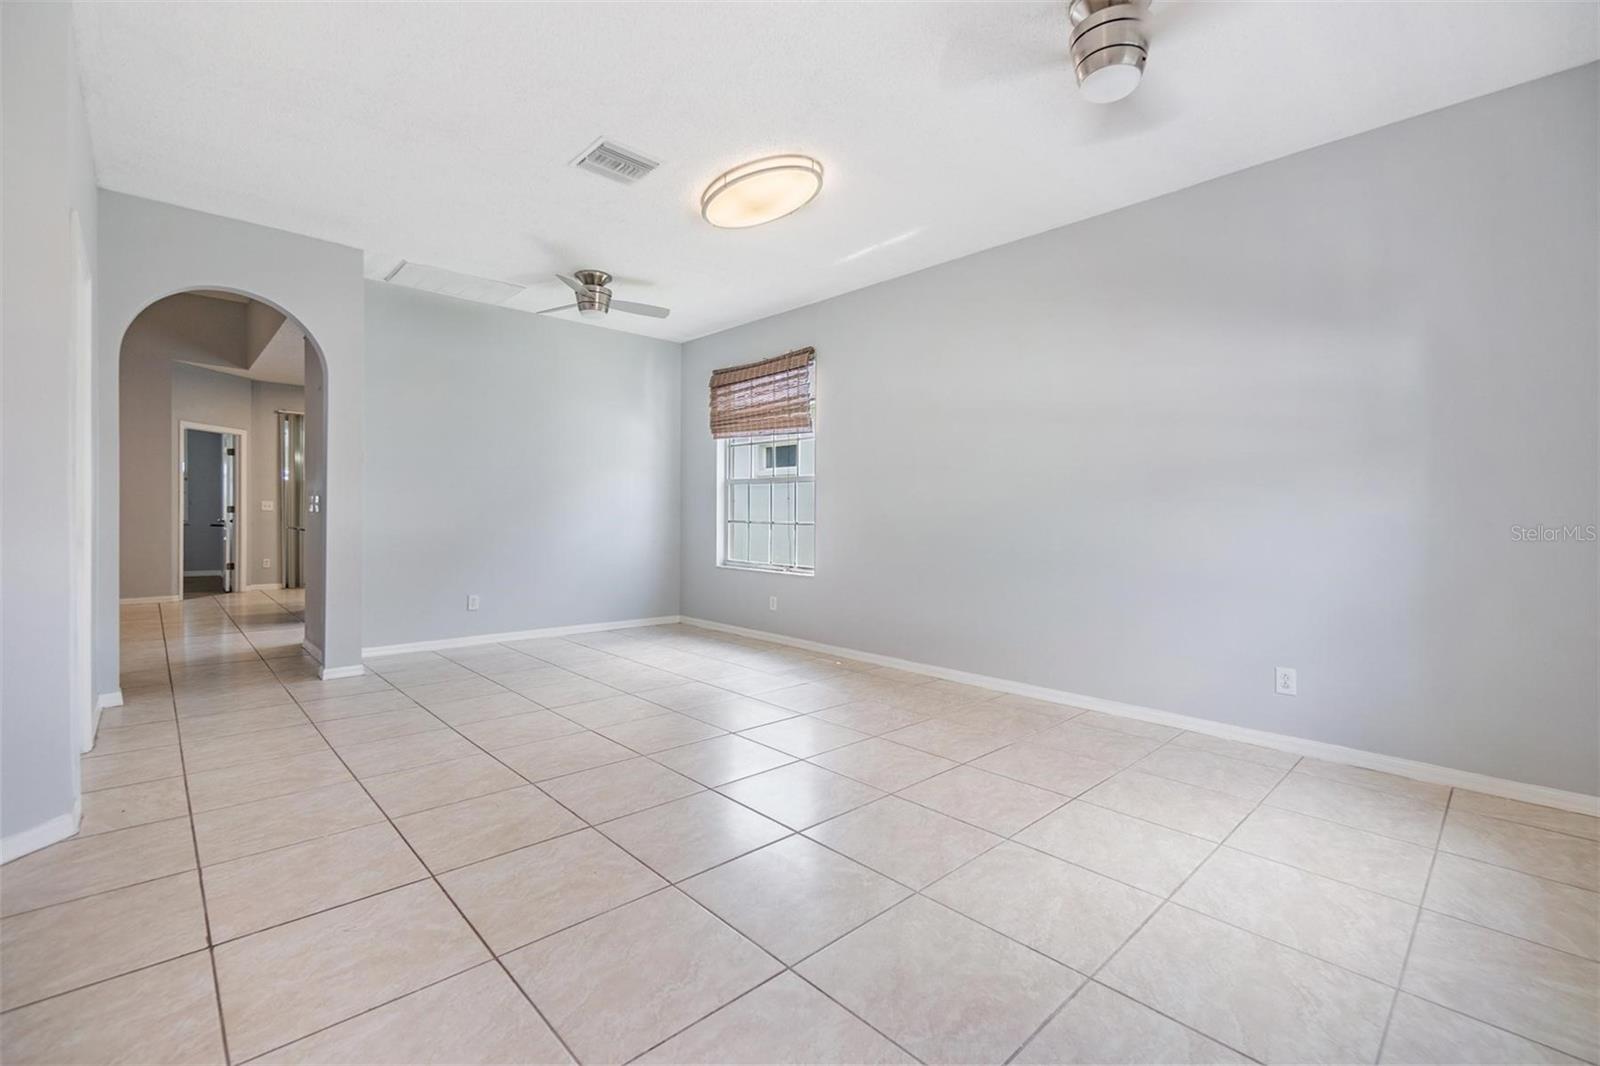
[1109,47]
[760,191]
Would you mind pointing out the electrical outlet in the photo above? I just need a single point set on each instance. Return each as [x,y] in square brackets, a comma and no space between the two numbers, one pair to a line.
[472,603]
[1288,682]
[266,564]
[772,603]
[266,505]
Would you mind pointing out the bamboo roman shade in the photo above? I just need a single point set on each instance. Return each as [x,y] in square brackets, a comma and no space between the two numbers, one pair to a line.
[772,396]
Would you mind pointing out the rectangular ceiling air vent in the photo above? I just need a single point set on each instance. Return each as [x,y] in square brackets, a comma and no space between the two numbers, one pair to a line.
[449,283]
[615,162]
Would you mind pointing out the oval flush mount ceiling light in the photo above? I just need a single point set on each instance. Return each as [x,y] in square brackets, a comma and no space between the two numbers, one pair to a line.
[761,191]
[1109,47]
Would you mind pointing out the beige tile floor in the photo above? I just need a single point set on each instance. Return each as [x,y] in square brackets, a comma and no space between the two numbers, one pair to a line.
[672,845]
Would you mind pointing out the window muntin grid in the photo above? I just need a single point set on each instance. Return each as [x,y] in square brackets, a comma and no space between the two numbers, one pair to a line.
[769,503]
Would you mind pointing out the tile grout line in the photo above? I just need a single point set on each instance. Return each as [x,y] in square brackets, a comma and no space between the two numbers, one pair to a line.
[141,968]
[1170,900]
[585,824]
[598,826]
[199,875]
[670,884]
[427,873]
[914,892]
[1283,773]
[1216,845]
[367,1010]
[945,713]
[1416,923]
[195,869]
[1529,825]
[786,967]
[1092,978]
[1458,1012]
[679,1032]
[674,885]
[431,876]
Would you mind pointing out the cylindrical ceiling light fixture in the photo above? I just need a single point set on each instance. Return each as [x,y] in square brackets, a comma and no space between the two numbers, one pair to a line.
[1109,47]
[761,191]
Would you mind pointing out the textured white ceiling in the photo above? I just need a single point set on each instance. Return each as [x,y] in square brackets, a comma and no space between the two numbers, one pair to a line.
[444,133]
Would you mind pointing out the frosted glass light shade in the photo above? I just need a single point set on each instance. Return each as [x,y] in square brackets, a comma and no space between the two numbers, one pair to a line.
[761,191]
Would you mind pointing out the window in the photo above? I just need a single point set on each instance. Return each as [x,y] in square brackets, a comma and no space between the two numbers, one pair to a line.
[762,415]
[769,502]
[779,456]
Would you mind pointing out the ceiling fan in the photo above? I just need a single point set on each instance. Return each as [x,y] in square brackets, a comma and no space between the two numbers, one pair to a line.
[594,298]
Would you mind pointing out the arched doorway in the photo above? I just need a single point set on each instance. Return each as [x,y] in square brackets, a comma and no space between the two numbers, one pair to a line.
[149,251]
[210,383]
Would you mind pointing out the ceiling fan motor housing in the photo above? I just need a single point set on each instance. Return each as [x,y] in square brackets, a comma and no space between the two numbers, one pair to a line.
[596,297]
[1105,34]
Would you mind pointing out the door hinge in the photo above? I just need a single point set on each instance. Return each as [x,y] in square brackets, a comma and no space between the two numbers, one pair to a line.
[230,451]
[230,566]
[230,508]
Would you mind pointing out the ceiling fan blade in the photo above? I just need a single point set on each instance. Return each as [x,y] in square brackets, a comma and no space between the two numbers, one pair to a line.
[552,310]
[639,309]
[572,283]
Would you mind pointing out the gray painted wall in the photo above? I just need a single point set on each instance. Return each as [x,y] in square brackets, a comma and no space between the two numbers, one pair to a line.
[150,250]
[529,461]
[47,174]
[202,544]
[1288,417]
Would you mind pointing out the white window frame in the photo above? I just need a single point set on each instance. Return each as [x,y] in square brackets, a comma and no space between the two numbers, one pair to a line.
[725,486]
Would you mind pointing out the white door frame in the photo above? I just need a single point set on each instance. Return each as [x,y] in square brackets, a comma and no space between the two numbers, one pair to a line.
[240,494]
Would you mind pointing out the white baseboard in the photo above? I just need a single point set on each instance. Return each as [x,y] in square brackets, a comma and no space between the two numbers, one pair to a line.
[202,573]
[41,836]
[524,634]
[266,586]
[1441,775]
[101,702]
[151,599]
[331,673]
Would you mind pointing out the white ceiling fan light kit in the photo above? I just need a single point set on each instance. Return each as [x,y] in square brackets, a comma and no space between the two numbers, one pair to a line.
[1109,47]
[761,191]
